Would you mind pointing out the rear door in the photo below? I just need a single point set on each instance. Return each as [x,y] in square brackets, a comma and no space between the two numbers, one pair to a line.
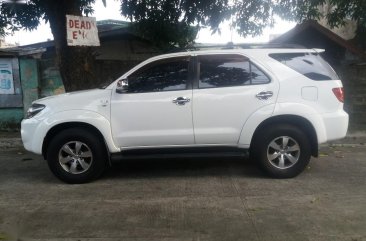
[227,90]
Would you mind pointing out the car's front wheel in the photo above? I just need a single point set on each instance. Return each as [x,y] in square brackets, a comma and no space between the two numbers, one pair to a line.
[76,156]
[282,151]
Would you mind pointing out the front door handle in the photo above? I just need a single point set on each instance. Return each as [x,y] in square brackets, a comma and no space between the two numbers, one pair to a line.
[181,100]
[264,95]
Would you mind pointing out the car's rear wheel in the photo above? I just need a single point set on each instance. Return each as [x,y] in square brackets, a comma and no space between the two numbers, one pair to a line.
[76,156]
[282,151]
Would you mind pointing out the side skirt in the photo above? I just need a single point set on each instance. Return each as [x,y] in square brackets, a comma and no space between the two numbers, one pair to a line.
[165,153]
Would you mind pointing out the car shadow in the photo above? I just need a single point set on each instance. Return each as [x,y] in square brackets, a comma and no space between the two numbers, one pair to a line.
[183,167]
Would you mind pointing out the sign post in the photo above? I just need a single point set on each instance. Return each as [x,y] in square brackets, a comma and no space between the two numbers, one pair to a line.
[81,31]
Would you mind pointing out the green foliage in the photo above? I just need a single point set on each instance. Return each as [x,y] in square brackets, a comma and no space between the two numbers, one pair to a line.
[15,15]
[347,9]
[343,10]
[248,17]
[165,34]
[27,15]
[169,22]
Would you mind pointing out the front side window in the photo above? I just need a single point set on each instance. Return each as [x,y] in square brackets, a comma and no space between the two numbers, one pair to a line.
[162,75]
[228,70]
[311,65]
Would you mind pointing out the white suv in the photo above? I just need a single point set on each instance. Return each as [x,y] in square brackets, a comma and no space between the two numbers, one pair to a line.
[277,103]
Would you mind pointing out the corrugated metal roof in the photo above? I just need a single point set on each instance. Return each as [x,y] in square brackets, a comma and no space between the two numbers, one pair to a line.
[321,29]
[21,51]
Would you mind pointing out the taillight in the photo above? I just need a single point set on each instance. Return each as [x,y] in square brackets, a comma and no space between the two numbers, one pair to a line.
[338,92]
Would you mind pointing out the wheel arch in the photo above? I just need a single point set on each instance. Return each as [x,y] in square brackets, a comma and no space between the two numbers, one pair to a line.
[297,121]
[67,125]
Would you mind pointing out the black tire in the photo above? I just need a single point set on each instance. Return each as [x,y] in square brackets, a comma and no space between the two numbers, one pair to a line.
[76,155]
[282,151]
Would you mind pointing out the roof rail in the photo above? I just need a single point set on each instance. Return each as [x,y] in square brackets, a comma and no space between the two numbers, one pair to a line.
[275,46]
[230,45]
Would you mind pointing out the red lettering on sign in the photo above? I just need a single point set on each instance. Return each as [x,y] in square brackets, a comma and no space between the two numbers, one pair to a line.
[79,31]
[80,24]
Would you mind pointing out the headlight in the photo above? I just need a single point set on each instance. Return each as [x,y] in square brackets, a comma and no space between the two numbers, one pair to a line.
[34,110]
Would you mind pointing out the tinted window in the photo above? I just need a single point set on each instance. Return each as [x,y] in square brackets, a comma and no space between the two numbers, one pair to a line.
[163,75]
[312,66]
[258,77]
[228,70]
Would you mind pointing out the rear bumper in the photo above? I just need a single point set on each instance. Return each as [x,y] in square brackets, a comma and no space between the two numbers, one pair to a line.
[336,125]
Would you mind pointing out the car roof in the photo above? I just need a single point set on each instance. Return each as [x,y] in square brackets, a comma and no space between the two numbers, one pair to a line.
[250,52]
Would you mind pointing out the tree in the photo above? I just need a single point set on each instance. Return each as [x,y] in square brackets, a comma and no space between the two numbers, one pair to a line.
[248,17]
[75,63]
[349,9]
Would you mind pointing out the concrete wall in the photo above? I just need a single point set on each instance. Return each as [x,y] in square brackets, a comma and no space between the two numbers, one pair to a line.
[11,105]
[354,82]
[12,100]
[50,78]
[117,56]
[127,49]
[10,118]
[30,81]
[13,108]
[113,58]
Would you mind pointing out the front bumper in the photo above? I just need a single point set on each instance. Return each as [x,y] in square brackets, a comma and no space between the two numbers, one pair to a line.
[29,135]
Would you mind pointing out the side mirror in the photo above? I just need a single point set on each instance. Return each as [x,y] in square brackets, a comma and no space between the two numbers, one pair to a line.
[122,86]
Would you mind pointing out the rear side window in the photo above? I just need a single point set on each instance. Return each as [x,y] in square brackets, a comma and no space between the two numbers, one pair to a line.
[228,70]
[311,65]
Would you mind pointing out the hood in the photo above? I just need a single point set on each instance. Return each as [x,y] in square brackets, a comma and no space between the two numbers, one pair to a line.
[78,100]
[64,95]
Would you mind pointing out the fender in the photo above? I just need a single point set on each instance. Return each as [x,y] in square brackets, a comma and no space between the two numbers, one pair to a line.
[278,109]
[307,113]
[82,116]
[251,124]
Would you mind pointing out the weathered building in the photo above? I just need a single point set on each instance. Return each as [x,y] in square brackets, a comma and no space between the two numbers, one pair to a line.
[120,49]
[34,72]
[18,84]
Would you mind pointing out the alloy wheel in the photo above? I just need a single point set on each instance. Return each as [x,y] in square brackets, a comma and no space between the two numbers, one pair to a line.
[283,152]
[75,157]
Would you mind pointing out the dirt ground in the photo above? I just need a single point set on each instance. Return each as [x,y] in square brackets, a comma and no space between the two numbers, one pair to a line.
[185,199]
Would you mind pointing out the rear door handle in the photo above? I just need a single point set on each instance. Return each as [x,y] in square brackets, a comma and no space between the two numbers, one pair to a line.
[181,100]
[264,95]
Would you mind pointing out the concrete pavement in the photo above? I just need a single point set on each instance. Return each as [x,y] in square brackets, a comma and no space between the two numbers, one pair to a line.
[185,199]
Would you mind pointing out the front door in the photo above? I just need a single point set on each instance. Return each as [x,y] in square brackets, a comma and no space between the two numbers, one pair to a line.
[156,110]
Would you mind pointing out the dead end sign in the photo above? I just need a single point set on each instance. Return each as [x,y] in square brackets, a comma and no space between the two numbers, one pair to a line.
[81,31]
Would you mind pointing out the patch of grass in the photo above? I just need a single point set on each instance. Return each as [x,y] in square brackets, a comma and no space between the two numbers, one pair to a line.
[3,236]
